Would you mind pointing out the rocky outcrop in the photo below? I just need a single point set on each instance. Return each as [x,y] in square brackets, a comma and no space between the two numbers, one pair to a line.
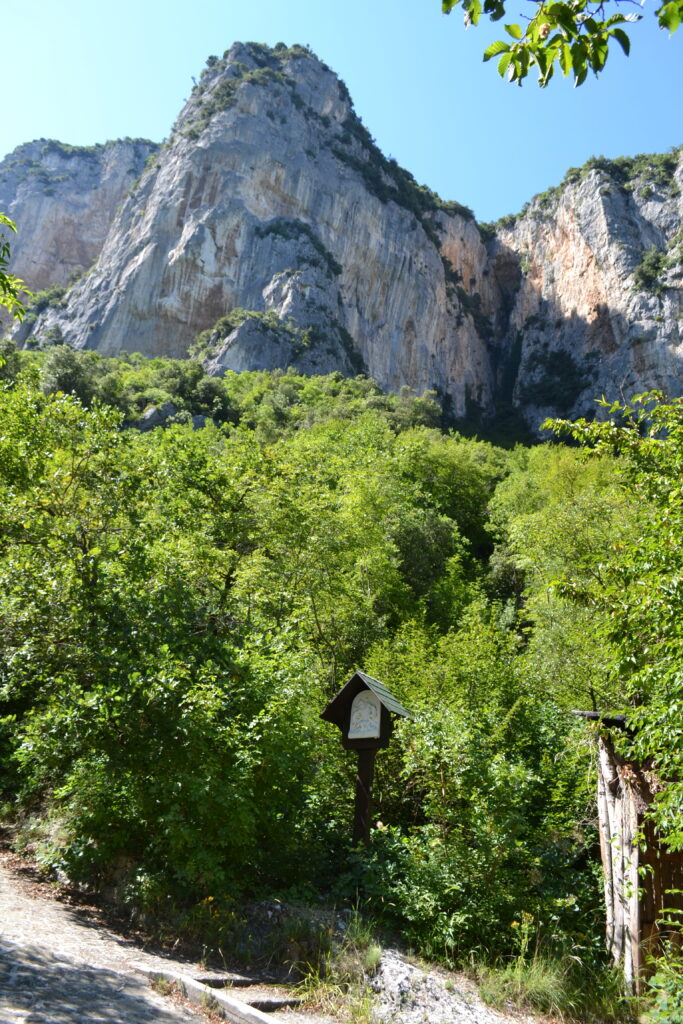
[65,198]
[599,304]
[269,231]
[270,196]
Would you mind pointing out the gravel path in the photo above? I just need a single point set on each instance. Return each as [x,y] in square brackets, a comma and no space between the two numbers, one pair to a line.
[58,968]
[59,965]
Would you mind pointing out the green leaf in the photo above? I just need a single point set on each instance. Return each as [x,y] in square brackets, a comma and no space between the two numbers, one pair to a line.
[472,12]
[558,11]
[579,57]
[671,15]
[495,9]
[565,58]
[504,63]
[541,59]
[500,46]
[524,63]
[564,17]
[622,38]
[599,54]
[7,223]
[514,31]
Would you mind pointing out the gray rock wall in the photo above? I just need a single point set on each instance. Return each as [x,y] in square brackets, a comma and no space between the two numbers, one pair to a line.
[271,197]
[64,199]
[586,318]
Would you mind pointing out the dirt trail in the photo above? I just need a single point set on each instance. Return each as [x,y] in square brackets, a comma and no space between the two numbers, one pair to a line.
[59,964]
[58,967]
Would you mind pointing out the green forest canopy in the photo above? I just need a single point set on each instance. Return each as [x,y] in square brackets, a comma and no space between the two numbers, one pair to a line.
[178,606]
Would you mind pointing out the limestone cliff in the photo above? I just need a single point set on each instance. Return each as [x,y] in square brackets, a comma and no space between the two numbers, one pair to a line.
[65,198]
[270,196]
[269,231]
[599,305]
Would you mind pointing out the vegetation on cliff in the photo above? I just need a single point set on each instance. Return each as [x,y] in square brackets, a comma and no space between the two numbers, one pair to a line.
[11,287]
[643,174]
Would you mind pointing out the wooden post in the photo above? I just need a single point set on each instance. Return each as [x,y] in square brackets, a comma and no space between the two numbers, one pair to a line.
[642,878]
[363,710]
[361,821]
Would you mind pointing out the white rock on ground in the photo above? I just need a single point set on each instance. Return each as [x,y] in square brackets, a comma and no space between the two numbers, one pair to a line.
[408,995]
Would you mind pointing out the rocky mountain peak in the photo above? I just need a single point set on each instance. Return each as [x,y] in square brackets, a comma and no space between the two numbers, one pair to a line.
[270,231]
[271,197]
[248,66]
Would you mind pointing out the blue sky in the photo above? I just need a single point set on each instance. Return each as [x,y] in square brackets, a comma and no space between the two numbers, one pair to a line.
[83,72]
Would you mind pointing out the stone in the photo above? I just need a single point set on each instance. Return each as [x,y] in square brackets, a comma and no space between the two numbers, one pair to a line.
[156,416]
[64,199]
[270,197]
[150,419]
[406,994]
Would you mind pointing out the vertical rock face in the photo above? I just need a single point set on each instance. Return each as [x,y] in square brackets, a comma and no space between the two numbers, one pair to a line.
[269,231]
[65,198]
[270,196]
[599,306]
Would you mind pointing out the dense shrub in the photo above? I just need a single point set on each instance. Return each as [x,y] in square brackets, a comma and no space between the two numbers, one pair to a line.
[176,608]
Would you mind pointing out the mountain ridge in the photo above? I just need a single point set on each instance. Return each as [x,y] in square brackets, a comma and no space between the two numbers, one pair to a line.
[270,197]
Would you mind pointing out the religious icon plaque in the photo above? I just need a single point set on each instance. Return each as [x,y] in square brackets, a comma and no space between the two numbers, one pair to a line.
[366,713]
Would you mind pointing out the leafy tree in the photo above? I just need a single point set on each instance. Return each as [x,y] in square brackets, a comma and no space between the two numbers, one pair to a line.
[640,595]
[126,697]
[72,372]
[11,287]
[574,35]
[490,792]
[10,360]
[556,517]
[177,606]
[639,587]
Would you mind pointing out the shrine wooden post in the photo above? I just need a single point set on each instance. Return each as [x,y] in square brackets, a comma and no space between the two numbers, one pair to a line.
[363,710]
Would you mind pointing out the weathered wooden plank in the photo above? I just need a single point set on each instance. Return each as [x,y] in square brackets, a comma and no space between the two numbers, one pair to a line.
[641,877]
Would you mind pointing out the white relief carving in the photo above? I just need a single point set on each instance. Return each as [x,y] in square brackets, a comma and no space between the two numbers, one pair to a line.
[365,716]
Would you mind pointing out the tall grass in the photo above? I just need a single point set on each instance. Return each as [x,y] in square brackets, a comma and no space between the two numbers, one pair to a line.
[563,985]
[339,982]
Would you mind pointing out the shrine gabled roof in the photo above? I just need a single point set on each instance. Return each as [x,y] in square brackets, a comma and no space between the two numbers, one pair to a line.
[360,681]
[380,691]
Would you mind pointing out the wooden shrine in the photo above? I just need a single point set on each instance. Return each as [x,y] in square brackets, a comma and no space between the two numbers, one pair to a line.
[364,710]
